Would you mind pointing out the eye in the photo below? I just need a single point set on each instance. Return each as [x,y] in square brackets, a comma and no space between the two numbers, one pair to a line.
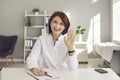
[54,21]
[61,24]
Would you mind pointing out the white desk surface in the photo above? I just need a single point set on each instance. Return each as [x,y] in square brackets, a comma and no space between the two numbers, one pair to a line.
[78,74]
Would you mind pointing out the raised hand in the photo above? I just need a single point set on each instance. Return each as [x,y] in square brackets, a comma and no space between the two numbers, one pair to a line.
[69,40]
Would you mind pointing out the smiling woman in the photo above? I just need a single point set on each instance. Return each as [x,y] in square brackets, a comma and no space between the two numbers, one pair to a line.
[54,50]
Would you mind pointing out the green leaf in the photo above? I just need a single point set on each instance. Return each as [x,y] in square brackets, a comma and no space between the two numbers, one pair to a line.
[35,9]
[80,30]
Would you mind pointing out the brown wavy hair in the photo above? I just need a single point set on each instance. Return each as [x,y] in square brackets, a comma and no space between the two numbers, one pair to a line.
[64,19]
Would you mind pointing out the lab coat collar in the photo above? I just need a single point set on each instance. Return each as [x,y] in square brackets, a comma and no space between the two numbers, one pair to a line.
[59,38]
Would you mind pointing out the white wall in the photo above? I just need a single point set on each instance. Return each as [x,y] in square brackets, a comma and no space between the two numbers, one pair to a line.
[115,20]
[81,12]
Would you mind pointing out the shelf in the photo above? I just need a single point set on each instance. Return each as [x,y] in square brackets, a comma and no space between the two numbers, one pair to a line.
[28,50]
[35,15]
[34,38]
[47,14]
[35,26]
[41,15]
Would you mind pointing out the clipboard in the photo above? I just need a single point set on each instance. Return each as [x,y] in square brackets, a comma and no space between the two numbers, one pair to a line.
[45,77]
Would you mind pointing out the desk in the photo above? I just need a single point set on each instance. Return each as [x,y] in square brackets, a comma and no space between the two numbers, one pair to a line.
[78,74]
[110,52]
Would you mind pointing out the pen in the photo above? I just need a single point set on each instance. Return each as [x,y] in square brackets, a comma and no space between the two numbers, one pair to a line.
[32,76]
[48,75]
[53,77]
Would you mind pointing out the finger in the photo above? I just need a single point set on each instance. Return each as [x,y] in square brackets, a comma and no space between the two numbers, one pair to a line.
[65,38]
[42,72]
[73,36]
[45,72]
[70,32]
[36,73]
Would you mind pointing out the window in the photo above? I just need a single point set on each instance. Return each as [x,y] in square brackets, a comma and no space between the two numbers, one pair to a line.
[94,33]
[116,21]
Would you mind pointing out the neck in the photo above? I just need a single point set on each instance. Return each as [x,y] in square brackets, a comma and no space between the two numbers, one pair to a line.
[55,37]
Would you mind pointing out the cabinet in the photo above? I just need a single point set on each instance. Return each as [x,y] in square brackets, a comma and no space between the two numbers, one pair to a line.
[34,26]
[81,50]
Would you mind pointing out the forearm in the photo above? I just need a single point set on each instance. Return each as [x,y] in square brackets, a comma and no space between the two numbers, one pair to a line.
[31,63]
[72,61]
[34,56]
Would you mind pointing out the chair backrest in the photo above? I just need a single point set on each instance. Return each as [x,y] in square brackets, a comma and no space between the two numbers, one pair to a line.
[7,43]
[0,72]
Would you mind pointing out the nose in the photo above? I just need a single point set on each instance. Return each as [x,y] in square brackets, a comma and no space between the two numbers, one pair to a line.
[57,25]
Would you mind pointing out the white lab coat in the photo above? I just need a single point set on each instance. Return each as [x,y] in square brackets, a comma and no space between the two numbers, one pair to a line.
[47,55]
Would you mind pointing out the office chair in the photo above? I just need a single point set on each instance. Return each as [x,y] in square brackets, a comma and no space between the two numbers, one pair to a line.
[7,46]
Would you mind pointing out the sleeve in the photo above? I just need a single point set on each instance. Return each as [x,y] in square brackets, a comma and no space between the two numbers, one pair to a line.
[35,55]
[72,61]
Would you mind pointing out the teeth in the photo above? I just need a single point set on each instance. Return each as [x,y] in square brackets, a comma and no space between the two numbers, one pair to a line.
[57,29]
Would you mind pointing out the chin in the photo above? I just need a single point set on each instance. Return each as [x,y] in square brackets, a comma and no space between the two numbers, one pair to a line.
[57,33]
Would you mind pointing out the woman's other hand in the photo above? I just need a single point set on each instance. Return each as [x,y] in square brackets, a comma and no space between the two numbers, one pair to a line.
[38,72]
[69,40]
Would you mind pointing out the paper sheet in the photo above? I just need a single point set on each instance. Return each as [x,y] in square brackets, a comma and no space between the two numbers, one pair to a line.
[54,76]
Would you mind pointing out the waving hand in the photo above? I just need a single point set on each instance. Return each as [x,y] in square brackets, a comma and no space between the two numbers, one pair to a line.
[69,40]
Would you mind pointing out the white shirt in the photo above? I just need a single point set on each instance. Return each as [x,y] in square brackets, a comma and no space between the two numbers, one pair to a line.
[46,54]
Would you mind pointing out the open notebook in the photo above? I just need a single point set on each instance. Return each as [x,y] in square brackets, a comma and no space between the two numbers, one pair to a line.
[49,76]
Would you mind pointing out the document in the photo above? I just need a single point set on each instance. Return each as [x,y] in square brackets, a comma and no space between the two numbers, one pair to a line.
[49,76]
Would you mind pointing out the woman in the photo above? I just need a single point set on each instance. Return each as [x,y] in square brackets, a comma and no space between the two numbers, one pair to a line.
[54,50]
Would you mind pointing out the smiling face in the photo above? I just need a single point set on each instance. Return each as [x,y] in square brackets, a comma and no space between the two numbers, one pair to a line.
[57,26]
[58,23]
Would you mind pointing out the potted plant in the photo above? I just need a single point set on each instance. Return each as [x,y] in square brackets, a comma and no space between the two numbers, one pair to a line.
[79,32]
[36,10]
